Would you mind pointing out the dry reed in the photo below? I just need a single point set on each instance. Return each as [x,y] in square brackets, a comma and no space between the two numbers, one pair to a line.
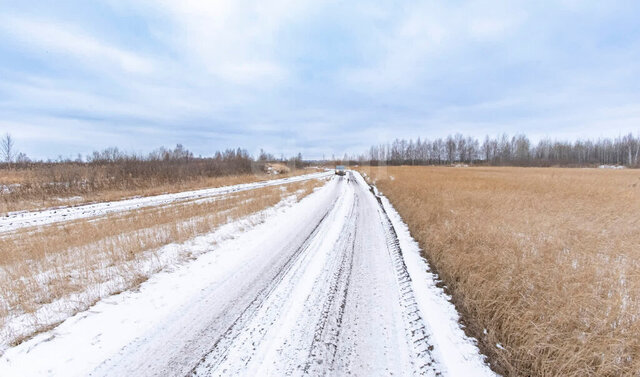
[543,264]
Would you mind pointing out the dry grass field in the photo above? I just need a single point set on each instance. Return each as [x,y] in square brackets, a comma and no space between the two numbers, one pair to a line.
[543,264]
[60,269]
[52,186]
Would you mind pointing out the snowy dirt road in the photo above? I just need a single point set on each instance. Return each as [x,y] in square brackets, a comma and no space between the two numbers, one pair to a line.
[333,285]
[23,219]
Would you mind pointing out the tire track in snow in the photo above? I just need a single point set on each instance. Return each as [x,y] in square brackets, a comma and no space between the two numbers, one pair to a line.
[416,327]
[327,334]
[220,348]
[329,297]
[324,288]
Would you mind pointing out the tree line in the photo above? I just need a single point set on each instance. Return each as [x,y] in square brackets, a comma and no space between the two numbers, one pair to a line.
[237,159]
[114,169]
[505,150]
[518,150]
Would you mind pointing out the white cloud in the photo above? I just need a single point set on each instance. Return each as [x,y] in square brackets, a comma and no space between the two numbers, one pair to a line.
[424,33]
[233,41]
[65,39]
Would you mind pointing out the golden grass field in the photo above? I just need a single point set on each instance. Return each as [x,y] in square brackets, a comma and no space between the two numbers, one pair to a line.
[83,260]
[542,263]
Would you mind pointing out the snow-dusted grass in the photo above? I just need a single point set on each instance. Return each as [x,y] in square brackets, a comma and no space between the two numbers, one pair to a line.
[45,187]
[23,219]
[52,272]
[543,264]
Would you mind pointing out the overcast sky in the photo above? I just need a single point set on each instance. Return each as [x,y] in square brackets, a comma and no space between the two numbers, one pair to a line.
[319,77]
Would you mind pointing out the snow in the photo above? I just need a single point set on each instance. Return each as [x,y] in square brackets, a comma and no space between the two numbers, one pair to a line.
[155,260]
[320,287]
[617,167]
[16,220]
[84,341]
[458,354]
[70,199]
[293,291]
[8,188]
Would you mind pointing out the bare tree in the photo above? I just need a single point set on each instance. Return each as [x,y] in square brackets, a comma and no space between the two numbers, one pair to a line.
[504,150]
[22,158]
[7,149]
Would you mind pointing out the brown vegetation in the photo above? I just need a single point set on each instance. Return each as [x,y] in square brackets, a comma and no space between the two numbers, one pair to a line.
[543,264]
[112,174]
[85,260]
[40,186]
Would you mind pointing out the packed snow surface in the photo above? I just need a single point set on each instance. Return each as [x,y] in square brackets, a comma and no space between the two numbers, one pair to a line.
[17,220]
[333,285]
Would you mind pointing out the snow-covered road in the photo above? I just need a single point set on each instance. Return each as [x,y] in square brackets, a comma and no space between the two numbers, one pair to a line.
[16,220]
[333,285]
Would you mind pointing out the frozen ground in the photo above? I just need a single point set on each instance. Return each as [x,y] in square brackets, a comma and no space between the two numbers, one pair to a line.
[16,220]
[333,285]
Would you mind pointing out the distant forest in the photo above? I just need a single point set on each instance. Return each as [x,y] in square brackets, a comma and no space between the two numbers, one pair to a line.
[507,151]
[504,150]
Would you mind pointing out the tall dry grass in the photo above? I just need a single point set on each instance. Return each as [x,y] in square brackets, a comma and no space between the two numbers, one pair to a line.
[543,264]
[52,185]
[82,261]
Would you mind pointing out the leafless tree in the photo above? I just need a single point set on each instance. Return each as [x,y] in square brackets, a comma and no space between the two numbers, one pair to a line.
[22,158]
[7,149]
[504,150]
